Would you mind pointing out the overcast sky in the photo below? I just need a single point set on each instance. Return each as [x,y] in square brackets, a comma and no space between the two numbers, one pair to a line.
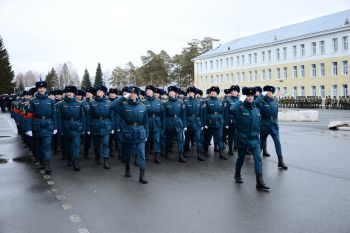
[39,34]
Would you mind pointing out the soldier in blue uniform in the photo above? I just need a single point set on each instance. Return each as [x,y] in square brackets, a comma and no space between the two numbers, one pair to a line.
[70,123]
[194,126]
[213,120]
[248,129]
[269,122]
[90,92]
[100,125]
[134,129]
[57,139]
[175,122]
[41,124]
[112,95]
[80,95]
[230,121]
[155,112]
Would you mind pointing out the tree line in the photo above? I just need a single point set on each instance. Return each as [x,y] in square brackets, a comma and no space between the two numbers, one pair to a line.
[159,69]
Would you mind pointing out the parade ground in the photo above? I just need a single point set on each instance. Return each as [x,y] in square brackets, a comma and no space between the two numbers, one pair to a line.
[313,195]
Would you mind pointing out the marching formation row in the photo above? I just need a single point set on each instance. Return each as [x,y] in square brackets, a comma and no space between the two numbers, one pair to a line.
[142,121]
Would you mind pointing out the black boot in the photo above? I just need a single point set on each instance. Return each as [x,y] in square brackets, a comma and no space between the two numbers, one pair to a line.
[69,161]
[200,157]
[230,151]
[249,152]
[142,179]
[265,153]
[41,164]
[127,170]
[106,163]
[136,163]
[47,167]
[76,166]
[221,156]
[156,158]
[86,154]
[97,159]
[281,164]
[260,185]
[181,158]
[238,177]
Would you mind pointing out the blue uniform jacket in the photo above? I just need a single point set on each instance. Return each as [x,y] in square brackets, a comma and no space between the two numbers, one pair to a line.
[194,115]
[213,112]
[41,117]
[248,124]
[174,115]
[133,120]
[70,117]
[269,114]
[155,112]
[100,117]
[229,117]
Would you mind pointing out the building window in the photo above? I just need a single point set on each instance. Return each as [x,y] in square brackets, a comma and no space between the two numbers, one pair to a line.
[322,70]
[269,74]
[237,60]
[201,66]
[255,58]
[302,91]
[344,67]
[278,73]
[295,71]
[242,58]
[217,64]
[206,65]
[269,55]
[313,46]
[302,50]
[206,79]
[334,68]
[313,91]
[212,79]
[231,60]
[313,70]
[295,92]
[344,90]
[302,71]
[278,90]
[277,54]
[250,77]
[322,48]
[263,56]
[231,77]
[262,75]
[227,78]
[285,53]
[220,63]
[295,51]
[322,93]
[249,59]
[285,91]
[211,65]
[285,72]
[255,75]
[345,43]
[217,80]
[334,90]
[227,62]
[222,79]
[237,77]
[335,45]
[243,77]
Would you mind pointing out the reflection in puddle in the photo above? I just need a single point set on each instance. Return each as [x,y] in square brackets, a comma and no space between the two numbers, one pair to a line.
[4,160]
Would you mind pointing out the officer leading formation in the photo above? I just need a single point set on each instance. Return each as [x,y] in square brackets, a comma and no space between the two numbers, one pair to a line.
[138,124]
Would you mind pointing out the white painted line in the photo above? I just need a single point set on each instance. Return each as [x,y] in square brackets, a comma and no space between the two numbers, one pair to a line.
[46,177]
[50,182]
[66,206]
[83,230]
[74,218]
[60,197]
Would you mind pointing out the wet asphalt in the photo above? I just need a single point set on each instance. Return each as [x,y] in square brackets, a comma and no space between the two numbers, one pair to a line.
[313,195]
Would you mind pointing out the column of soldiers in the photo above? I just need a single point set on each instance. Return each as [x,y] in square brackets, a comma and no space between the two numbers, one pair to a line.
[342,102]
[140,124]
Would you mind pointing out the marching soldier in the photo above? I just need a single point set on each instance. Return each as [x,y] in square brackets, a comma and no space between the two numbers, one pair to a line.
[248,124]
[213,120]
[194,125]
[90,92]
[112,94]
[70,123]
[230,121]
[41,124]
[175,122]
[134,129]
[100,125]
[269,122]
[155,111]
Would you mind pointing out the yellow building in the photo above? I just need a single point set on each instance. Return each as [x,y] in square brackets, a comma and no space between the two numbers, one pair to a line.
[305,59]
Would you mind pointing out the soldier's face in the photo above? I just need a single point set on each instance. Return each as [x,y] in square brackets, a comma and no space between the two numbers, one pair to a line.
[156,95]
[269,94]
[100,93]
[58,97]
[112,95]
[172,94]
[191,94]
[70,95]
[42,90]
[133,96]
[79,97]
[89,95]
[149,92]
[213,94]
[234,93]
[250,98]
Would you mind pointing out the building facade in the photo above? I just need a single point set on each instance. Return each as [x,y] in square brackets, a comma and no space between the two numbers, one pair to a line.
[305,59]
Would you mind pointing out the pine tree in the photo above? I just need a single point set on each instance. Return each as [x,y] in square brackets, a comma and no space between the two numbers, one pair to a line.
[86,83]
[52,80]
[20,86]
[98,76]
[6,73]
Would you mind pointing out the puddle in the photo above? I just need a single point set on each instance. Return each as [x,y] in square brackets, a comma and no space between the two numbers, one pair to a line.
[5,136]
[22,159]
[3,161]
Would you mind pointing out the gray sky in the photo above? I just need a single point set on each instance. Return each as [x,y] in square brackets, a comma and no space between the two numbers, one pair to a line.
[39,34]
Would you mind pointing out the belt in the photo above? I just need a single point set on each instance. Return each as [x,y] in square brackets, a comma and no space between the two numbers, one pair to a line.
[214,113]
[71,119]
[172,116]
[191,115]
[269,118]
[101,118]
[134,123]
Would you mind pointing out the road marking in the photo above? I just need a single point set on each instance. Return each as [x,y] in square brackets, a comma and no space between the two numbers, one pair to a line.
[66,206]
[50,182]
[46,177]
[60,197]
[83,230]
[75,218]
